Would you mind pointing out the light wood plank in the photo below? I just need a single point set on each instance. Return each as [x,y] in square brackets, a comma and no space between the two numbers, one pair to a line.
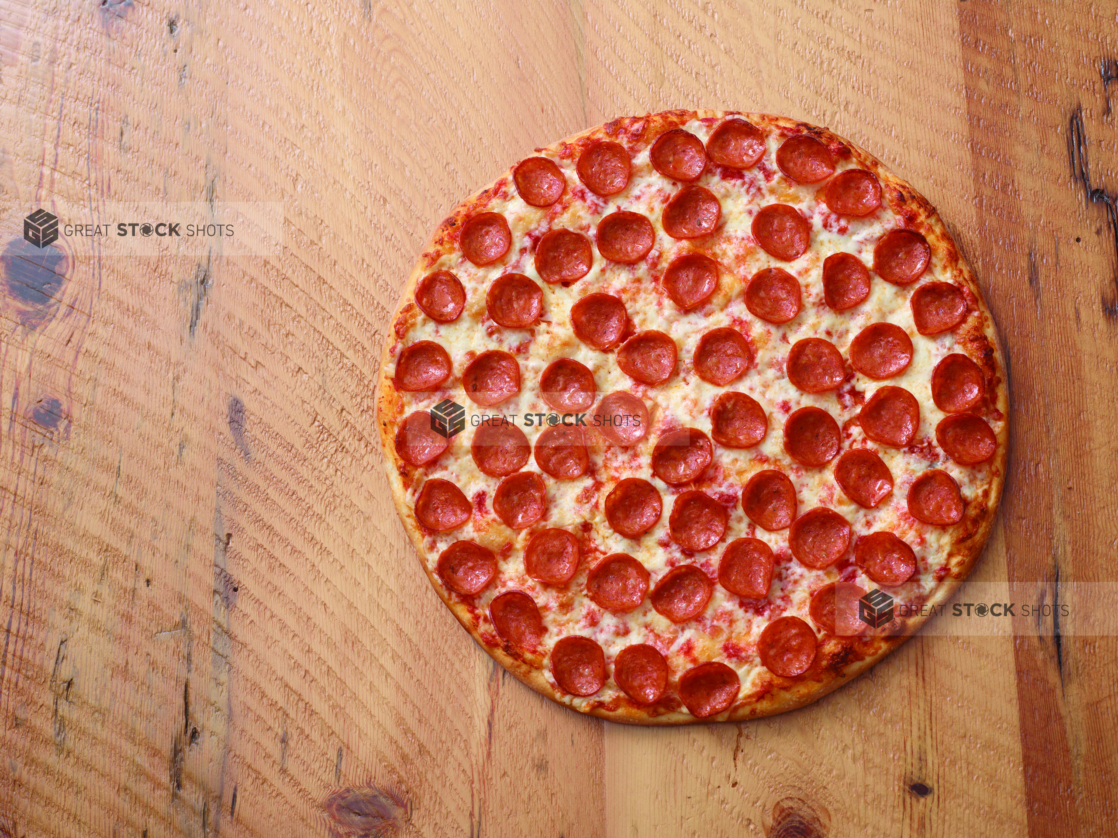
[212,621]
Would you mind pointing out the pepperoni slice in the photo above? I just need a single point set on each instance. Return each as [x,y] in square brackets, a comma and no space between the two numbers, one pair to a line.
[552,557]
[563,256]
[641,672]
[722,356]
[773,295]
[441,506]
[681,456]
[520,500]
[787,647]
[819,538]
[805,159]
[604,168]
[855,193]
[491,378]
[440,296]
[709,689]
[891,417]
[966,439]
[539,181]
[679,155]
[561,452]
[737,421]
[769,500]
[485,238]
[633,507]
[746,568]
[881,350]
[682,594]
[516,617]
[422,366]
[815,366]
[599,320]
[692,213]
[648,357]
[698,521]
[514,301]
[957,384]
[568,386]
[811,436]
[934,498]
[834,608]
[500,449]
[864,477]
[901,256]
[938,307]
[618,583]
[691,280]
[625,237]
[416,443]
[622,418]
[782,232]
[466,568]
[886,559]
[737,144]
[579,666]
[846,281]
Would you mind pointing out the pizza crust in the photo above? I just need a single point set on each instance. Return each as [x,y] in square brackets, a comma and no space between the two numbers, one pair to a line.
[834,666]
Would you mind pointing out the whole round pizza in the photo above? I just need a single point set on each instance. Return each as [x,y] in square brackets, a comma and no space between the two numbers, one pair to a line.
[691,416]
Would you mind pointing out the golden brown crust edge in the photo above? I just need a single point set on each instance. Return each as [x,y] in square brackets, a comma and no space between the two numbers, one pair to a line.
[977,524]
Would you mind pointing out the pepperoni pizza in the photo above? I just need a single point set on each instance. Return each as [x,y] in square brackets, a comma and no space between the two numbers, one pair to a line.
[675,403]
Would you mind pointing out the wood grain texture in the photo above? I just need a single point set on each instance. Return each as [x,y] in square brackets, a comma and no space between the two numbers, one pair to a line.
[211,621]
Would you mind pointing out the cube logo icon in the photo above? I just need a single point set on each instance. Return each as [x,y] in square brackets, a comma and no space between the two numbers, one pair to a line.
[40,228]
[875,609]
[448,418]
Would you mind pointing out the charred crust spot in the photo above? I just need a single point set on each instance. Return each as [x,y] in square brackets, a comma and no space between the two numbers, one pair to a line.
[842,658]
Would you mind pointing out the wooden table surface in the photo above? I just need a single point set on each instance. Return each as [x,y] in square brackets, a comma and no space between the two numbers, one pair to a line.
[211,621]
